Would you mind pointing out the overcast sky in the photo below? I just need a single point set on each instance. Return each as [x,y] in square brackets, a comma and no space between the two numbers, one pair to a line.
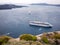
[30,1]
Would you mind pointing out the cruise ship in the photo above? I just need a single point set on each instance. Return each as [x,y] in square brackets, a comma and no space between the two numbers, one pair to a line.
[41,24]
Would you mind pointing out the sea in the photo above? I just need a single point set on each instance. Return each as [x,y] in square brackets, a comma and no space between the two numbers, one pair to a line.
[15,22]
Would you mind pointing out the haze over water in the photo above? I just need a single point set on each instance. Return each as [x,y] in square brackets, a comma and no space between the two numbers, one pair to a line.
[16,21]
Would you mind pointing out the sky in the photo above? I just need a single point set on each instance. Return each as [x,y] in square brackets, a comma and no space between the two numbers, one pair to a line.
[29,1]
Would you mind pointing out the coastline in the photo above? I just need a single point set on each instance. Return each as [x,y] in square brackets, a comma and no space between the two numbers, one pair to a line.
[48,38]
[38,36]
[48,32]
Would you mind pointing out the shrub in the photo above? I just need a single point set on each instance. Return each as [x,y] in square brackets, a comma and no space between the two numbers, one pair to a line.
[28,37]
[4,39]
[34,38]
[57,36]
[44,39]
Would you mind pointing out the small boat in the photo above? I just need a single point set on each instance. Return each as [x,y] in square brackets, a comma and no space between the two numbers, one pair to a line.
[41,24]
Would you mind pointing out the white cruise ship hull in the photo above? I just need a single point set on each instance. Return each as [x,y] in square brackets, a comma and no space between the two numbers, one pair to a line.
[41,24]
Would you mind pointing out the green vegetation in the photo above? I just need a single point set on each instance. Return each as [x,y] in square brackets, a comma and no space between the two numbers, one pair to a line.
[28,37]
[34,38]
[4,39]
[44,39]
[57,36]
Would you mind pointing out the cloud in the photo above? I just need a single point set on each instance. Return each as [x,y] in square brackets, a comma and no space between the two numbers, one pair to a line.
[31,1]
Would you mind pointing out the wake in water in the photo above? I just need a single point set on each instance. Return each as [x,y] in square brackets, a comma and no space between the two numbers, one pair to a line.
[40,29]
[6,34]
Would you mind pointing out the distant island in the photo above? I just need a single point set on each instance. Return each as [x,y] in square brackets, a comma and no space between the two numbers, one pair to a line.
[45,4]
[10,6]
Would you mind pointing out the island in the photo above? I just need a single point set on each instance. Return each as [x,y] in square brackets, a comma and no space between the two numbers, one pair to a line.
[45,4]
[10,6]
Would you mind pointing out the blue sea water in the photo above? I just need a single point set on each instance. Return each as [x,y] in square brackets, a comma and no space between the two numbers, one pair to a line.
[16,21]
